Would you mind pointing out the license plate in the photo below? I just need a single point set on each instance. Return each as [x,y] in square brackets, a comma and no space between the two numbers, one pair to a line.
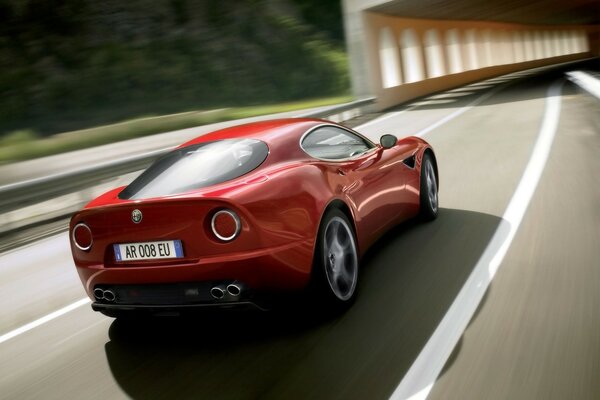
[148,250]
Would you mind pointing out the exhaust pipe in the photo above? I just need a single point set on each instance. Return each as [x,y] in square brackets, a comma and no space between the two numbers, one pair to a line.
[98,294]
[109,295]
[235,288]
[218,292]
[101,294]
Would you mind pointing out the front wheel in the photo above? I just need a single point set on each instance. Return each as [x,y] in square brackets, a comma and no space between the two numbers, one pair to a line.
[429,191]
[335,270]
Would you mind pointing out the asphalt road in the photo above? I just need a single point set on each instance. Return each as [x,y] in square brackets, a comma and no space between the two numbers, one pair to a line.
[534,335]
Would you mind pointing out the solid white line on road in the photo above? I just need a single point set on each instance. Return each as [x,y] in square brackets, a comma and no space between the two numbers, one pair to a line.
[386,117]
[419,380]
[460,111]
[506,81]
[43,320]
[438,123]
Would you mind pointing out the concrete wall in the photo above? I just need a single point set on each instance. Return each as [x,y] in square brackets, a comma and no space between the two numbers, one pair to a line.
[397,59]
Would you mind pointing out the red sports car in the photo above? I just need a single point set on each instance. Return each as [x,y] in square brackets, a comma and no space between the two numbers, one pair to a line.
[261,208]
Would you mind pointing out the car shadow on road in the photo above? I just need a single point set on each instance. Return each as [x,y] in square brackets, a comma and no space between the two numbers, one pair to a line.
[409,279]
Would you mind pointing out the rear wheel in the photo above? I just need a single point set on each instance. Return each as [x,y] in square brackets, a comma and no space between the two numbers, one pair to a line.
[335,270]
[429,190]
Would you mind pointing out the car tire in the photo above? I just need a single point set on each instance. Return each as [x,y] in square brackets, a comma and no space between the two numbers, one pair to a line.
[428,195]
[335,267]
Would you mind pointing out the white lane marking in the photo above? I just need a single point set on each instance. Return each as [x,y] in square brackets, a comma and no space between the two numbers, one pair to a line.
[460,111]
[387,116]
[586,81]
[43,320]
[419,380]
[427,102]
[443,120]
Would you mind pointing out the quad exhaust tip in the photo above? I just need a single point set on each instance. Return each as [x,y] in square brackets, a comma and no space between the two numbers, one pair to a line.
[109,295]
[101,294]
[218,292]
[98,294]
[234,289]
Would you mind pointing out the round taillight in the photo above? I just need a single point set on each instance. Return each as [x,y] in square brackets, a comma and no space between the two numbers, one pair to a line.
[225,225]
[82,236]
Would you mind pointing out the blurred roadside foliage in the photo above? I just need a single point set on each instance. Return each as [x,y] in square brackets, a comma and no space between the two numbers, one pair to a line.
[25,144]
[72,64]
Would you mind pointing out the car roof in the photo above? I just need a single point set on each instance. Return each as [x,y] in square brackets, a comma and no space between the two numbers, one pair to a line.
[282,136]
[273,132]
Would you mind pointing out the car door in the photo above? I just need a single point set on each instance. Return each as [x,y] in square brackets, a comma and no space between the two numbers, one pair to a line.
[382,189]
[371,177]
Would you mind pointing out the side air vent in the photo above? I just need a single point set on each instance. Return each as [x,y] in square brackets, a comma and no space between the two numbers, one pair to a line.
[409,162]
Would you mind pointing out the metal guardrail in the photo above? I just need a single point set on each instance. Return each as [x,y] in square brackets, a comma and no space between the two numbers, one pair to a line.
[26,193]
[339,109]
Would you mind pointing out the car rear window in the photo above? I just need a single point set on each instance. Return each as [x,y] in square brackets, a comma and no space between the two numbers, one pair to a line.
[196,166]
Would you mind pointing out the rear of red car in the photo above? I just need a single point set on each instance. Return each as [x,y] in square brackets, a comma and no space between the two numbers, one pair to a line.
[177,237]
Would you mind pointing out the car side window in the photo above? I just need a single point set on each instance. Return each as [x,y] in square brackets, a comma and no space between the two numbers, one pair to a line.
[333,143]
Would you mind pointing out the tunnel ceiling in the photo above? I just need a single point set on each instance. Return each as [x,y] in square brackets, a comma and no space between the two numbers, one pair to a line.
[548,12]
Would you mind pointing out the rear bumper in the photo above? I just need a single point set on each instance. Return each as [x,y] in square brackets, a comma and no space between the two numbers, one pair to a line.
[285,268]
[155,298]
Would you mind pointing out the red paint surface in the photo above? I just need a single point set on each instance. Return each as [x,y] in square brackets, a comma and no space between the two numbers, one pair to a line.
[280,205]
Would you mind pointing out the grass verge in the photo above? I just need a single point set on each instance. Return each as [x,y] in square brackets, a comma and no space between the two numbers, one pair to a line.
[25,144]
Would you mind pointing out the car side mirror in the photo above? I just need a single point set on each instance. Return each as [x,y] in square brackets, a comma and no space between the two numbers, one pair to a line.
[388,141]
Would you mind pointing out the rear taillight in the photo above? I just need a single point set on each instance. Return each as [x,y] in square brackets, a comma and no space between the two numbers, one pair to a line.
[82,236]
[225,225]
